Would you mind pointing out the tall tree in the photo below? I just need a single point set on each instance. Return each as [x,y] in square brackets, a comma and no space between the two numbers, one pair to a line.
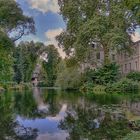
[51,66]
[12,20]
[25,56]
[101,23]
[6,59]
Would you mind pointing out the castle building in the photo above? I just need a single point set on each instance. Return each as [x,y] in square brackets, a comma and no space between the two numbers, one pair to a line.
[129,62]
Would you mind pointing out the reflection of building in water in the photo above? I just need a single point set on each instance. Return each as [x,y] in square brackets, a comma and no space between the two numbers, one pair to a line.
[35,76]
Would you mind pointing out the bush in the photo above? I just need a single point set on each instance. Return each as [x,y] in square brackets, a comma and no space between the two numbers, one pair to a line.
[70,78]
[42,84]
[134,76]
[102,76]
[87,87]
[124,85]
[132,136]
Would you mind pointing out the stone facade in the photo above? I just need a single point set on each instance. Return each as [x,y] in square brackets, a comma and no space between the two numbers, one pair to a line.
[126,61]
[129,62]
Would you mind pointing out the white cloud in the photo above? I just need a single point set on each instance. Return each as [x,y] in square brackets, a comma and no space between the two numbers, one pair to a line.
[50,36]
[45,5]
[136,37]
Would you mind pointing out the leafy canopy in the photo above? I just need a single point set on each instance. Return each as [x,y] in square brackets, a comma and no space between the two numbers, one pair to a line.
[103,23]
[12,20]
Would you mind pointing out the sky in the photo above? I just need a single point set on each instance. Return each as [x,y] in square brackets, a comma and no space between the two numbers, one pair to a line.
[48,22]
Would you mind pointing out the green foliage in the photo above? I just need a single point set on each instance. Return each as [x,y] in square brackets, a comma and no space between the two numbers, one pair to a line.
[134,76]
[5,41]
[82,125]
[6,63]
[107,74]
[52,100]
[134,6]
[50,67]
[124,85]
[25,104]
[132,136]
[87,87]
[105,99]
[99,89]
[6,58]
[13,25]
[42,84]
[13,20]
[69,78]
[25,56]
[98,22]
[10,104]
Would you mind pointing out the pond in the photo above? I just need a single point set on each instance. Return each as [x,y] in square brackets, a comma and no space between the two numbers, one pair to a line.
[42,114]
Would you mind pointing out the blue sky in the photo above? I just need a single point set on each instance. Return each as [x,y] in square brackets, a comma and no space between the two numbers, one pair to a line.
[47,20]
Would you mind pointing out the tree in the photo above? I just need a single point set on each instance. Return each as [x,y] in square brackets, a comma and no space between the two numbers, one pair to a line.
[25,56]
[51,66]
[6,58]
[134,6]
[12,20]
[107,74]
[68,77]
[13,25]
[96,23]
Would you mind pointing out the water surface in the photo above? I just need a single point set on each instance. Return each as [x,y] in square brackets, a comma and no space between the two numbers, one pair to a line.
[42,114]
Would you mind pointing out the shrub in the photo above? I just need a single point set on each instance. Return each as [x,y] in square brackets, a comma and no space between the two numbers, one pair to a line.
[87,87]
[134,76]
[107,74]
[132,136]
[124,85]
[70,78]
[42,84]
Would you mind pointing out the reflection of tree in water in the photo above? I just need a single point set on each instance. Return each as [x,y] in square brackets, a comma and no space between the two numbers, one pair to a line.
[25,133]
[6,119]
[8,125]
[25,105]
[51,99]
[94,123]
[107,99]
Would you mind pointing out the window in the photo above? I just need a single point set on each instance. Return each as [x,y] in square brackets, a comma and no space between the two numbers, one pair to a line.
[93,45]
[98,55]
[125,67]
[122,55]
[136,65]
[130,66]
[122,68]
